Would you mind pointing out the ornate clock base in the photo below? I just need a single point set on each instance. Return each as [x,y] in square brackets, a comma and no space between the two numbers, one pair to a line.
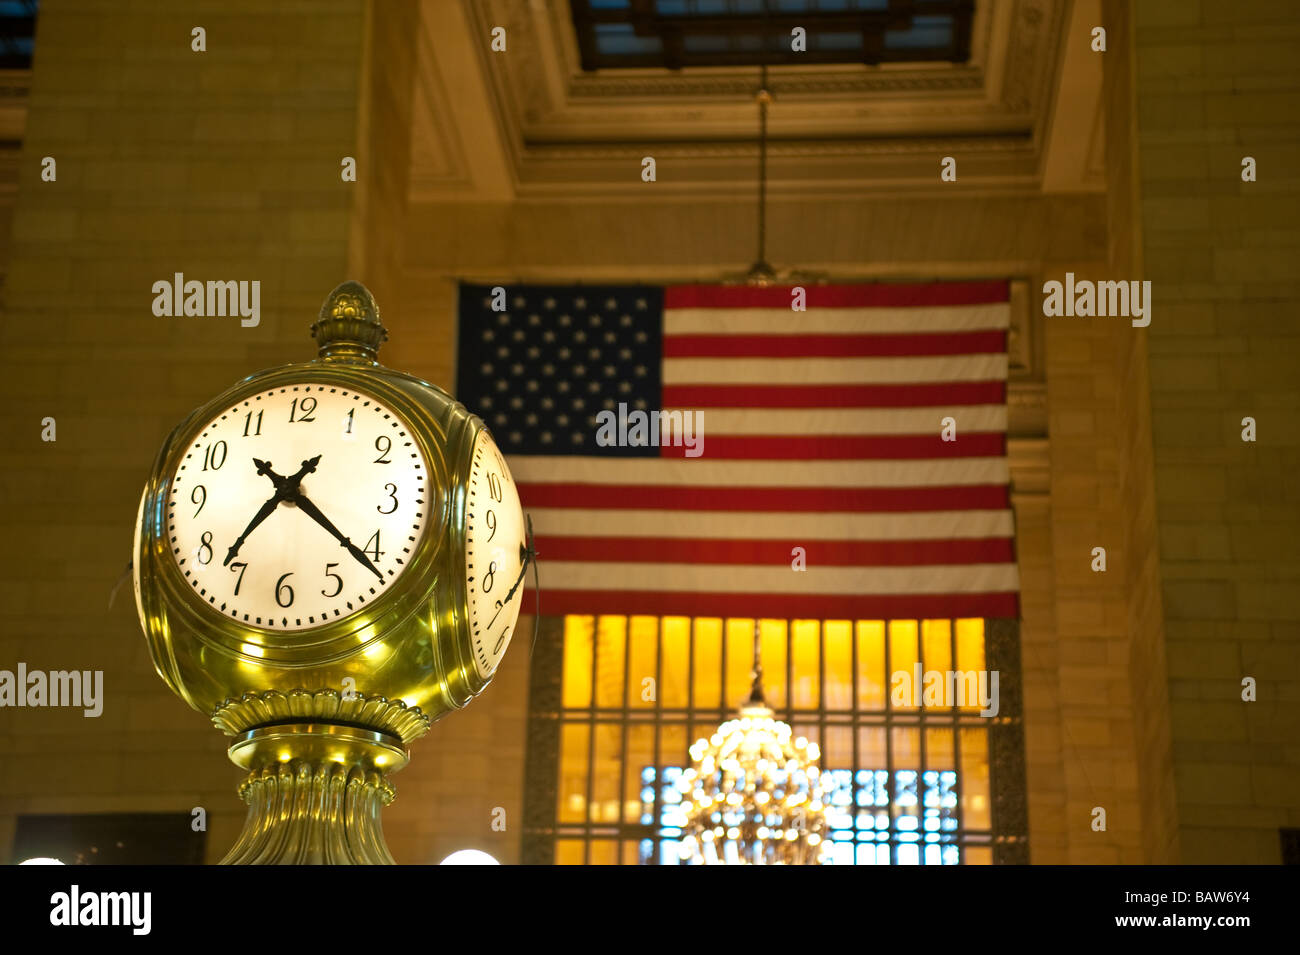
[315,793]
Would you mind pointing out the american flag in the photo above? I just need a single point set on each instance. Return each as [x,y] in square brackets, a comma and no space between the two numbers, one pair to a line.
[821,437]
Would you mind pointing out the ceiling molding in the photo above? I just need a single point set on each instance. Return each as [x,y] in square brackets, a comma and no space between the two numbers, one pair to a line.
[869,130]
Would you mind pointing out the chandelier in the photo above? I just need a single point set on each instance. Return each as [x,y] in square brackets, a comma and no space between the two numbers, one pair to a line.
[752,795]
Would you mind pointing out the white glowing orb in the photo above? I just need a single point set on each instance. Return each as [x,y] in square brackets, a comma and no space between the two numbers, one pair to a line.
[469,857]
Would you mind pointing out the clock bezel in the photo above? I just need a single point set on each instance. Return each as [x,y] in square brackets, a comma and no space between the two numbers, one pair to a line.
[409,590]
[462,581]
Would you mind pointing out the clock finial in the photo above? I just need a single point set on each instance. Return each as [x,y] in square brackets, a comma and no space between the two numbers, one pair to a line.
[349,325]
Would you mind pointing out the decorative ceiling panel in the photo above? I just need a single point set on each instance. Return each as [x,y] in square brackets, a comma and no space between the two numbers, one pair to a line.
[563,131]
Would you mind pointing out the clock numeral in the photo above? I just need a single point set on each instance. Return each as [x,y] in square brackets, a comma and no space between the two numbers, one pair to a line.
[372,548]
[337,590]
[243,566]
[199,496]
[281,588]
[501,641]
[392,494]
[205,544]
[249,420]
[383,444]
[491,521]
[351,412]
[214,455]
[307,410]
[494,487]
[489,576]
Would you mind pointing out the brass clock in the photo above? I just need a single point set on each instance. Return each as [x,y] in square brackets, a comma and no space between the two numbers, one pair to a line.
[328,556]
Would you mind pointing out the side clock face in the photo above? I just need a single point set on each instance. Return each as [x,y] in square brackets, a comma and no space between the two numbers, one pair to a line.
[495,552]
[298,506]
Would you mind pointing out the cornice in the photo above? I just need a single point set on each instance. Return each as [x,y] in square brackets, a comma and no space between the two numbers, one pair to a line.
[551,114]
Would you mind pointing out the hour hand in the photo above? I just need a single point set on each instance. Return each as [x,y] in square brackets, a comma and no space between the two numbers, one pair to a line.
[264,467]
[312,511]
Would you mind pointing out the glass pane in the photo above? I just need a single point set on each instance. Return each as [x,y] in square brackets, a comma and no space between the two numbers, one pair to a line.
[673,745]
[936,644]
[577,660]
[639,775]
[643,640]
[903,659]
[837,748]
[676,661]
[871,664]
[970,653]
[942,687]
[604,852]
[939,797]
[974,786]
[740,661]
[774,647]
[871,748]
[631,853]
[806,648]
[839,664]
[938,749]
[607,770]
[906,792]
[572,789]
[708,662]
[673,758]
[978,855]
[569,851]
[611,640]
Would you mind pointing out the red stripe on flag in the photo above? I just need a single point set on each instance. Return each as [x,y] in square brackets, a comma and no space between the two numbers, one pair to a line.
[820,553]
[834,346]
[966,497]
[921,295]
[780,606]
[844,447]
[835,396]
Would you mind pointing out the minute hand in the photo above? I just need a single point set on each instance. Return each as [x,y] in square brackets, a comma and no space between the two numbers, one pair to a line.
[312,511]
[260,516]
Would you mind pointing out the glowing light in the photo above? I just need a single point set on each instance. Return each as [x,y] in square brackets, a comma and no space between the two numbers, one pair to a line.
[469,857]
[41,860]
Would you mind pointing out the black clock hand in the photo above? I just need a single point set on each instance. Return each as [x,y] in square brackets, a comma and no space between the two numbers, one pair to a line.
[264,467]
[526,554]
[310,509]
[284,488]
[260,516]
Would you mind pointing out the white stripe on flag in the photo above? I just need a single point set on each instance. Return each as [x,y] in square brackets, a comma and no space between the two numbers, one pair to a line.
[732,578]
[833,371]
[783,421]
[835,321]
[702,472]
[787,525]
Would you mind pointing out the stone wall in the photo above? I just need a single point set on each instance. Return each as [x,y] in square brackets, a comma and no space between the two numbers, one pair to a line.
[221,165]
[1217,82]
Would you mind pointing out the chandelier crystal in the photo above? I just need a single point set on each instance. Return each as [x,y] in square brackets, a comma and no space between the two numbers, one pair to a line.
[752,794]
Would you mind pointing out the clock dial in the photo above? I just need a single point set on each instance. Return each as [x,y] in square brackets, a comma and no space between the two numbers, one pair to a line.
[495,551]
[298,506]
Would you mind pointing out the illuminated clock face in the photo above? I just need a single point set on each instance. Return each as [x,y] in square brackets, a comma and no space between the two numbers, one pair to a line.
[495,551]
[298,507]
